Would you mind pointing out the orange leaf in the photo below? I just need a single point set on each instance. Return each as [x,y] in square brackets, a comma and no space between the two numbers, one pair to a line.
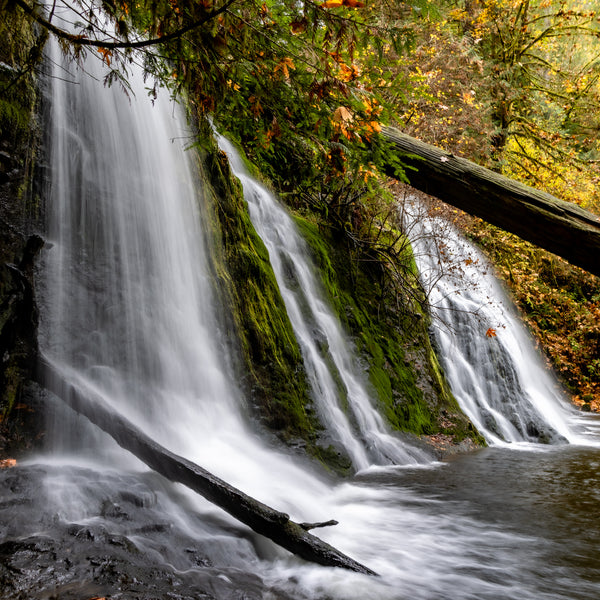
[284,65]
[374,126]
[8,463]
[491,332]
[332,3]
[106,54]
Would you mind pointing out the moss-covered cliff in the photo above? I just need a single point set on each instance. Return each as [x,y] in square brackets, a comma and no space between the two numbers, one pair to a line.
[401,363]
[271,369]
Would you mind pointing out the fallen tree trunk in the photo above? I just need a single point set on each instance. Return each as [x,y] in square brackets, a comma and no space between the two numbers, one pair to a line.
[261,518]
[553,224]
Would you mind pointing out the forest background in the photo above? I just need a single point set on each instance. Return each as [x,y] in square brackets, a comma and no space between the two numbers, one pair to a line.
[305,87]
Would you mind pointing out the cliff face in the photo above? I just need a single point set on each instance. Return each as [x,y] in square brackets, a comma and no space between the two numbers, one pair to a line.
[20,53]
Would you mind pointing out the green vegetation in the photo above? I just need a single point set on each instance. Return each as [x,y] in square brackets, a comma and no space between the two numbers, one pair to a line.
[402,367]
[272,359]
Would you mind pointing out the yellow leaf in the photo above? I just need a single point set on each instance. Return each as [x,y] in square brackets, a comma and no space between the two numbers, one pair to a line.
[284,66]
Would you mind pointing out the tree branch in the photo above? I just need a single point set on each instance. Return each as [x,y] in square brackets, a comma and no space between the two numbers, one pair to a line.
[83,41]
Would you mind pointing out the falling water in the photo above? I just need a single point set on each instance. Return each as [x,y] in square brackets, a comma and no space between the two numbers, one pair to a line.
[130,310]
[490,360]
[127,311]
[326,350]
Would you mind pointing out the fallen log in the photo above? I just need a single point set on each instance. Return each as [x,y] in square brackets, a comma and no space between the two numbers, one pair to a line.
[261,518]
[553,224]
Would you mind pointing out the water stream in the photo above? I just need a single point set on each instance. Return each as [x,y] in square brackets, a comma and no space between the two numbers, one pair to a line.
[128,311]
[334,372]
[493,368]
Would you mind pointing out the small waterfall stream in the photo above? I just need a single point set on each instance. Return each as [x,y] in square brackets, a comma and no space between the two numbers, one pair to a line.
[335,376]
[492,366]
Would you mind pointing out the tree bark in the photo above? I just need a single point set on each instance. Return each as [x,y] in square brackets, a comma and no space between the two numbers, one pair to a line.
[261,518]
[553,224]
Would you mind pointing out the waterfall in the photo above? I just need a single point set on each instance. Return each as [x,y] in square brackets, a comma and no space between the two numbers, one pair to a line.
[129,308]
[127,311]
[334,374]
[489,358]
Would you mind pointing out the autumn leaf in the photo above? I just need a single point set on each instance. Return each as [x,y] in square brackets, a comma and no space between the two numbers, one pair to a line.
[491,332]
[106,55]
[284,67]
[8,463]
[298,26]
[342,115]
[338,3]
[348,73]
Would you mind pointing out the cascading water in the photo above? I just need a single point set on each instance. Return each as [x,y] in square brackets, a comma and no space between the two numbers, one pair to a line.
[489,358]
[334,374]
[127,311]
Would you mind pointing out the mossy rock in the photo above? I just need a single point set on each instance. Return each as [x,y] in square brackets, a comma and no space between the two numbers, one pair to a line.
[20,52]
[271,360]
[403,369]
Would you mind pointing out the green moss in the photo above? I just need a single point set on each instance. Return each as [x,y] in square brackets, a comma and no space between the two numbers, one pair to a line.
[403,370]
[271,357]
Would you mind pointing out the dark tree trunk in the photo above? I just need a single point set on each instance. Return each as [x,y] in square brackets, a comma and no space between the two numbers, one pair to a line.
[261,518]
[553,224]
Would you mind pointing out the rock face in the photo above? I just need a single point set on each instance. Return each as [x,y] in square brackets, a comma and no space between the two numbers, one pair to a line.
[20,49]
[73,561]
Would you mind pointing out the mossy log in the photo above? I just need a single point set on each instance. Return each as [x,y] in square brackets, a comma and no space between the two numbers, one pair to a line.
[553,224]
[261,518]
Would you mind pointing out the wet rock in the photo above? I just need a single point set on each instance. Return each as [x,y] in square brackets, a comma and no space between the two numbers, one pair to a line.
[46,555]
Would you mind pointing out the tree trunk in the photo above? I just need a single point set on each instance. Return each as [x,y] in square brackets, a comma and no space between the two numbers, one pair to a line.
[273,524]
[553,224]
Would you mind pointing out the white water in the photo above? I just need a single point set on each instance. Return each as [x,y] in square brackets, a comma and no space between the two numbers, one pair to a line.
[127,311]
[326,350]
[493,368]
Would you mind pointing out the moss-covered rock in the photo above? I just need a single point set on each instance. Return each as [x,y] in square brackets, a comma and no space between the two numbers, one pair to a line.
[273,369]
[402,366]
